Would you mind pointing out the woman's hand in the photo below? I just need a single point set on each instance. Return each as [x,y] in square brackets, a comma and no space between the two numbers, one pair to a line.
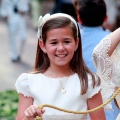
[33,111]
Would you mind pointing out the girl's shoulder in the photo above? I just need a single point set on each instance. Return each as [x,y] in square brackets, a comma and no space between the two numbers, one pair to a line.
[26,76]
[24,81]
[29,75]
[93,90]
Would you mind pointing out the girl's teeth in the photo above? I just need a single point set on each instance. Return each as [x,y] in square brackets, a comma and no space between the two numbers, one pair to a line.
[61,55]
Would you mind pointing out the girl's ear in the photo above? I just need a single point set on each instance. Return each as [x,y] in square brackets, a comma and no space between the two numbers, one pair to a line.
[42,45]
[77,42]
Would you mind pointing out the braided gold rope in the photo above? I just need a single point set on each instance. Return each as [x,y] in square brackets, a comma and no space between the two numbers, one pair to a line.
[78,112]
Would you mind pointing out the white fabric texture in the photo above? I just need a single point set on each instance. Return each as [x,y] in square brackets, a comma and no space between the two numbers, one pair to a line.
[46,90]
[108,67]
[118,117]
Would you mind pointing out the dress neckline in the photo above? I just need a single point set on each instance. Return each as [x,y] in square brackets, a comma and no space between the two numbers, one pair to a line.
[64,77]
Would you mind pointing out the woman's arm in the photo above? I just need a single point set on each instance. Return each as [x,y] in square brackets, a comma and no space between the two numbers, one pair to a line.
[94,102]
[26,109]
[115,39]
[102,59]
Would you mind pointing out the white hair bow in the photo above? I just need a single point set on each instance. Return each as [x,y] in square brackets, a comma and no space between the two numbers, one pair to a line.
[41,22]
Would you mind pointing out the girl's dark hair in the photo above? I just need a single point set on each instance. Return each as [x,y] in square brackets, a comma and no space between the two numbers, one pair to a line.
[77,63]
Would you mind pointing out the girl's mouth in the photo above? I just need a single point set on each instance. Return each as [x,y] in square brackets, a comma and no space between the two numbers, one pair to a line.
[61,55]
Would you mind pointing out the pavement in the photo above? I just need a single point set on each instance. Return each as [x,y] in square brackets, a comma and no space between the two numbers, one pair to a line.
[9,71]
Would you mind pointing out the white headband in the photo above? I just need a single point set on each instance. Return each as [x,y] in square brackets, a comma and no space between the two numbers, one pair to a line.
[43,20]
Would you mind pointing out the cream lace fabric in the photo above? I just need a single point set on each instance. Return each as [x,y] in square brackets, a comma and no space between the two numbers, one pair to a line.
[108,67]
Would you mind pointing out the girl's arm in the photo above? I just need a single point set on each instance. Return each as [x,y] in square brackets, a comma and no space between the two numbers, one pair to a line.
[26,109]
[94,102]
[23,104]
[115,39]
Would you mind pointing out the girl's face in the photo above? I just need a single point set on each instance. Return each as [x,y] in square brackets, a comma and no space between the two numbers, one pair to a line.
[60,46]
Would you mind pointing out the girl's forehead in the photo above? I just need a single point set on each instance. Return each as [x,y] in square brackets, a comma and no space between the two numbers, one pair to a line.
[64,28]
[63,31]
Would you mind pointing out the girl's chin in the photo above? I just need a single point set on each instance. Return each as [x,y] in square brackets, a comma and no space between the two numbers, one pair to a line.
[61,63]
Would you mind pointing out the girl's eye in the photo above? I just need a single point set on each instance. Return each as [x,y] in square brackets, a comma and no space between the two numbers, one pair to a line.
[53,43]
[67,42]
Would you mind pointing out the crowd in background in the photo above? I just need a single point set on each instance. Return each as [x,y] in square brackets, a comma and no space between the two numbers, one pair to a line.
[41,7]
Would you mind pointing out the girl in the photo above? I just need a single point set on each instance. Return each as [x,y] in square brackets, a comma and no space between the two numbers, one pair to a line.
[60,76]
[106,56]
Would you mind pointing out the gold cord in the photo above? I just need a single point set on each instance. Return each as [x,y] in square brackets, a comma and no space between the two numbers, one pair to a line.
[78,112]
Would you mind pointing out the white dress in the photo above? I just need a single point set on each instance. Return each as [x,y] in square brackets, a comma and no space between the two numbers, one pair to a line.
[46,90]
[108,67]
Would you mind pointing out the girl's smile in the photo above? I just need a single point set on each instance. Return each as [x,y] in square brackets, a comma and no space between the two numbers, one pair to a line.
[61,55]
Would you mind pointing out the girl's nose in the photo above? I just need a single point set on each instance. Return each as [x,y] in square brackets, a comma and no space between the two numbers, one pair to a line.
[60,46]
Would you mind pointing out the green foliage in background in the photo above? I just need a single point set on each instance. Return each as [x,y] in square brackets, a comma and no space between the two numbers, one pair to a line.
[8,104]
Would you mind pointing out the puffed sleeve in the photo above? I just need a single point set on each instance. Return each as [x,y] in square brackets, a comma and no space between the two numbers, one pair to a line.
[92,91]
[22,85]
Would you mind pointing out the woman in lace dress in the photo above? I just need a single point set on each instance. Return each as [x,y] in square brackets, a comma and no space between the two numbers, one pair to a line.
[106,56]
[60,76]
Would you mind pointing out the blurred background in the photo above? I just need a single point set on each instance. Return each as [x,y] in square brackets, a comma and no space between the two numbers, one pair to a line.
[18,22]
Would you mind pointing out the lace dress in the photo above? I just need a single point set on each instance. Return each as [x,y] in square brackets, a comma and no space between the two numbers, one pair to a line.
[46,90]
[108,67]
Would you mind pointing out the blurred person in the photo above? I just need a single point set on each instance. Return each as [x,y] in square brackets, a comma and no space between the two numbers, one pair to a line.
[118,15]
[56,8]
[13,11]
[92,15]
[68,8]
[112,12]
[65,6]
[76,6]
[35,11]
[40,7]
[47,6]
